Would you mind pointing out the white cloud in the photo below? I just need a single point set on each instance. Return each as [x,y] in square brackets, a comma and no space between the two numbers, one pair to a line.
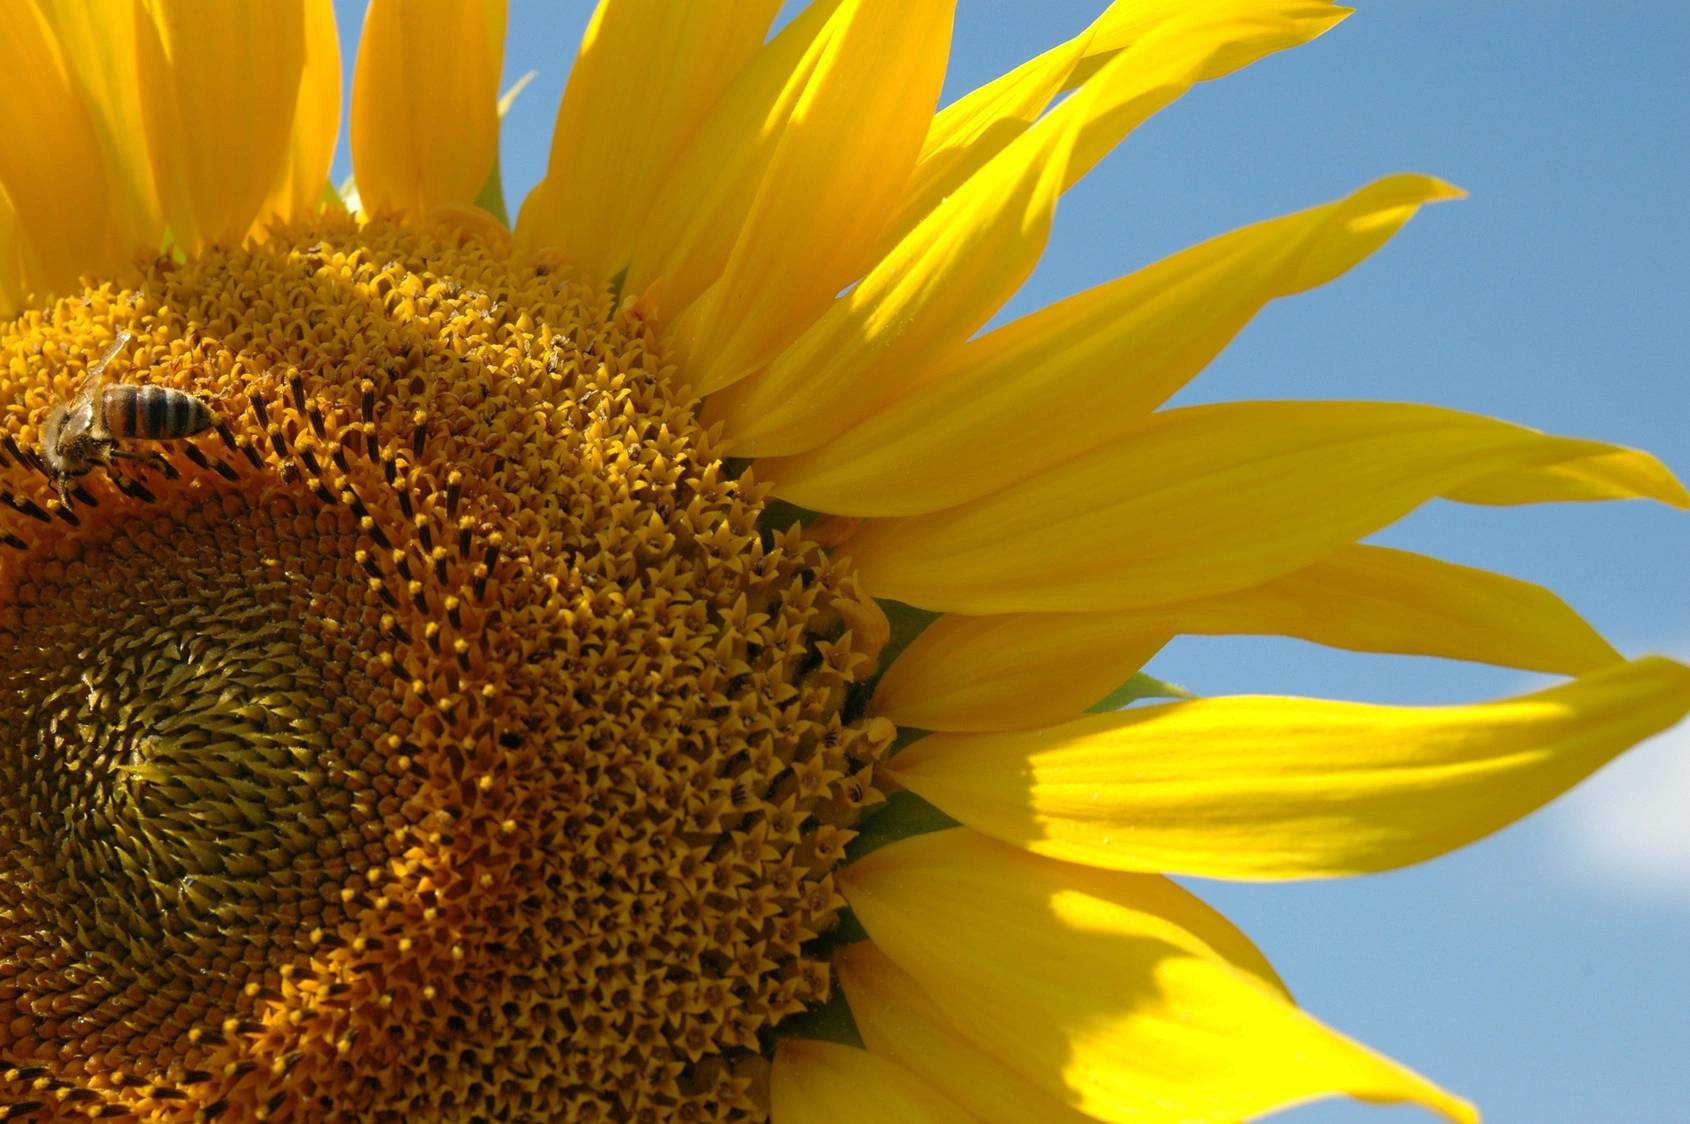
[1627,829]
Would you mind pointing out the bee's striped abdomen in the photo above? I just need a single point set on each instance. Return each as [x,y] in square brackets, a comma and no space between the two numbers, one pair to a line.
[154,413]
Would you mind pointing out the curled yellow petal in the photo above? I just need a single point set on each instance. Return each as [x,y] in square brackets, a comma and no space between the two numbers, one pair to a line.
[1194,502]
[1019,670]
[1622,474]
[703,202]
[1176,44]
[824,1083]
[1268,788]
[316,119]
[11,270]
[934,289]
[899,1022]
[1374,599]
[211,69]
[425,113]
[1098,988]
[51,164]
[647,73]
[854,112]
[99,44]
[1071,376]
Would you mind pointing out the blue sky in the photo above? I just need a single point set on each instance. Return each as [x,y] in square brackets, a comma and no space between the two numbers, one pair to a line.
[1544,972]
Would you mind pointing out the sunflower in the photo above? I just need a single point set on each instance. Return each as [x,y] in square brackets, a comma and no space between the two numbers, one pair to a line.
[658,659]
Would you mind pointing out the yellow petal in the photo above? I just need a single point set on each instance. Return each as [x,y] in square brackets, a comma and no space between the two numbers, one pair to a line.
[1020,670]
[1620,475]
[899,1022]
[1012,671]
[647,73]
[1167,911]
[823,1083]
[1174,45]
[1100,991]
[977,126]
[99,43]
[316,119]
[854,112]
[51,166]
[702,204]
[1073,375]
[1194,502]
[11,271]
[1372,599]
[220,83]
[940,284]
[425,102]
[1267,788]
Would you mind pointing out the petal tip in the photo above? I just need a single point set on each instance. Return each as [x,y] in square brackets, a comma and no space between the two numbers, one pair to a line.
[1337,15]
[1418,187]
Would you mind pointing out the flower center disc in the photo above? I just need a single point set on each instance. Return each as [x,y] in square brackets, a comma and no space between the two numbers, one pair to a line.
[443,739]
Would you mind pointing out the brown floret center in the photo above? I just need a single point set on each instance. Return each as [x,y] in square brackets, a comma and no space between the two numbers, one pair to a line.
[445,739]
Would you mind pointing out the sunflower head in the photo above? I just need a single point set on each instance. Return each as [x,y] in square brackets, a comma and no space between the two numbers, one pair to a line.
[659,660]
[448,687]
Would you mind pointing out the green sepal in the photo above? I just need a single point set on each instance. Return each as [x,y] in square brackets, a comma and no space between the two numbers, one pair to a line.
[907,736]
[830,1022]
[846,930]
[1140,686]
[331,201]
[903,816]
[168,247]
[778,515]
[907,623]
[491,197]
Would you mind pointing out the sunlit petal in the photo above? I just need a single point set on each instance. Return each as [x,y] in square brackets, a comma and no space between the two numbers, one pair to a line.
[1264,788]
[1021,670]
[1175,44]
[852,118]
[1071,376]
[1195,502]
[935,288]
[647,74]
[1101,993]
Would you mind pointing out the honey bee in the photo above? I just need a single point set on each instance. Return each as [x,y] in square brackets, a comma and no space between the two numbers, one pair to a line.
[83,433]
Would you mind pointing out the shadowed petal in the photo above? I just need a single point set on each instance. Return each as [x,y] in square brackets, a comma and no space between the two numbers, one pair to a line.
[823,1083]
[425,116]
[230,71]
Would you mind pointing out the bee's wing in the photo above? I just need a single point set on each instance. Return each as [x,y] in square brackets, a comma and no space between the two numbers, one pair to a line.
[84,397]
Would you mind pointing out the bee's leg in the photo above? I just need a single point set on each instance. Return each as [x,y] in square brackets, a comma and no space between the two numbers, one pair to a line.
[154,460]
